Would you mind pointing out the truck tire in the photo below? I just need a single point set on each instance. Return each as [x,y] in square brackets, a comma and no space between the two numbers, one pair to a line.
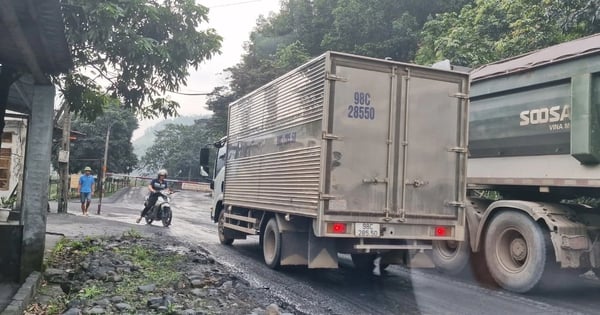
[365,262]
[223,239]
[516,251]
[271,244]
[451,257]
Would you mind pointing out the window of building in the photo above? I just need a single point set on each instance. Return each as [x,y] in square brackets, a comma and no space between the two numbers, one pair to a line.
[7,137]
[5,154]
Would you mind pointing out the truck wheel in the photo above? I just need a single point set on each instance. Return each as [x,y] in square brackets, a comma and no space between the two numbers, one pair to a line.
[271,244]
[516,251]
[451,257]
[221,230]
[365,262]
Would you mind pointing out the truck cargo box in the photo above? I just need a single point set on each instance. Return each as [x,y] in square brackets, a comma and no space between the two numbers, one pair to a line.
[345,137]
[535,118]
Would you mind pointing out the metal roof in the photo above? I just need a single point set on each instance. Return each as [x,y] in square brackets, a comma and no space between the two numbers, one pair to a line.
[557,53]
[33,36]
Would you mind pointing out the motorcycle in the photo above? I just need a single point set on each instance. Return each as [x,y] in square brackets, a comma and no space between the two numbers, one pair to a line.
[161,209]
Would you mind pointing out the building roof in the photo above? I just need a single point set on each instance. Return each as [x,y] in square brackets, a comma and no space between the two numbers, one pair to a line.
[33,37]
[557,53]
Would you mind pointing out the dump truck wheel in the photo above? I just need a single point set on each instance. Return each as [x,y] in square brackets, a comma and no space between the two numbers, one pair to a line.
[516,251]
[223,239]
[271,244]
[451,257]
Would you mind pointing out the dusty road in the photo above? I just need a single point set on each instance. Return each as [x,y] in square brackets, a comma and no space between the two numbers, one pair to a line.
[342,291]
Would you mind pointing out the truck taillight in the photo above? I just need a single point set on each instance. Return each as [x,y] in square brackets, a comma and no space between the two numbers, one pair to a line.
[337,228]
[442,231]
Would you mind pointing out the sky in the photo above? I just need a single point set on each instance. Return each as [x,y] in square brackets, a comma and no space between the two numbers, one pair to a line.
[233,20]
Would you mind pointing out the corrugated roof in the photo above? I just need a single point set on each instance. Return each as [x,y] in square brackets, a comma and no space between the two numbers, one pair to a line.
[41,23]
[561,52]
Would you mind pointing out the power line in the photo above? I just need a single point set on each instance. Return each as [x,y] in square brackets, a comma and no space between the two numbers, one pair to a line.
[190,94]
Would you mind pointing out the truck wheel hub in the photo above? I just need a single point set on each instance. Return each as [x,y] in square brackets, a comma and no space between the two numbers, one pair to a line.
[518,249]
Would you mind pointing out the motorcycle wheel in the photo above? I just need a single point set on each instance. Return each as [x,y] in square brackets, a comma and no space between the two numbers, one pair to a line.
[167,216]
[148,219]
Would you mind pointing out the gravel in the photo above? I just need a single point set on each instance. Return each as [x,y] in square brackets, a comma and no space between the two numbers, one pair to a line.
[145,275]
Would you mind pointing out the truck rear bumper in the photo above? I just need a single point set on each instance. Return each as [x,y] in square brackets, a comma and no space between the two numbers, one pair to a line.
[430,231]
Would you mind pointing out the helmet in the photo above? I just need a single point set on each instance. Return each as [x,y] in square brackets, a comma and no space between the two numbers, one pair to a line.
[162,172]
[87,168]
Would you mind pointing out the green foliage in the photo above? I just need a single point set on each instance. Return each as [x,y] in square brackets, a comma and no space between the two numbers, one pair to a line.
[490,30]
[8,202]
[90,292]
[291,56]
[132,233]
[133,51]
[177,148]
[155,268]
[141,144]
[88,150]
[304,29]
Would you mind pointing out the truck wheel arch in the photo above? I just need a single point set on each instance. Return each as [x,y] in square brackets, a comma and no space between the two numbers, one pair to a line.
[218,208]
[537,211]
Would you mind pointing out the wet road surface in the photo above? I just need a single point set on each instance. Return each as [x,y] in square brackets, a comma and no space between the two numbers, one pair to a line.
[342,291]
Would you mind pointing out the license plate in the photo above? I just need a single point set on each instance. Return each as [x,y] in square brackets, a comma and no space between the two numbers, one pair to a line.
[367,229]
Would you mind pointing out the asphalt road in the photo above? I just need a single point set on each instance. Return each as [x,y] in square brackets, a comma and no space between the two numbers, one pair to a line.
[342,291]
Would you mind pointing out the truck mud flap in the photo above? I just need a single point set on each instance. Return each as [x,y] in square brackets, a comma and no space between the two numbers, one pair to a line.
[305,249]
[294,248]
[322,252]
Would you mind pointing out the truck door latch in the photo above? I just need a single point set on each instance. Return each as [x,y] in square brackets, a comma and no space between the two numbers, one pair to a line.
[417,183]
[374,180]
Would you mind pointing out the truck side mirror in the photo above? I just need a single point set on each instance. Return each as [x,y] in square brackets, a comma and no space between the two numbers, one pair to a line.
[204,171]
[204,156]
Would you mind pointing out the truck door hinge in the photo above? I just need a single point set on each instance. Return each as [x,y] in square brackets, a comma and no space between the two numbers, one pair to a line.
[458,149]
[461,96]
[333,77]
[456,204]
[330,136]
[327,197]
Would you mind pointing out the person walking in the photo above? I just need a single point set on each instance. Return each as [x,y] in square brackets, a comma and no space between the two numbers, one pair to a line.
[86,189]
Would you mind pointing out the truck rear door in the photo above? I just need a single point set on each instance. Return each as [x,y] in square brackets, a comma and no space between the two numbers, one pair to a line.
[433,132]
[359,118]
[397,143]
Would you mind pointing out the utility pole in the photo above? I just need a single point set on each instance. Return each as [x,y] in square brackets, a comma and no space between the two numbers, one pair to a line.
[103,176]
[63,160]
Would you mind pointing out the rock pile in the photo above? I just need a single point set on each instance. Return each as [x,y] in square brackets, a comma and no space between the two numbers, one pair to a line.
[134,275]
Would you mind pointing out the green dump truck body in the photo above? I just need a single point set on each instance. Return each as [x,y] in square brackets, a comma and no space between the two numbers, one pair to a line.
[535,119]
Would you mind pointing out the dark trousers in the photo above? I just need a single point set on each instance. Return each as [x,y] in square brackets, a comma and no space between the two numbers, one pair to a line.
[151,202]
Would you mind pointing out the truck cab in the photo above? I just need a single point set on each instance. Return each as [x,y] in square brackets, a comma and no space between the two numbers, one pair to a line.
[218,181]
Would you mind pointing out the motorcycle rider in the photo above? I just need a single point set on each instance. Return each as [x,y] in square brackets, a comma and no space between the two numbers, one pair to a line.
[156,185]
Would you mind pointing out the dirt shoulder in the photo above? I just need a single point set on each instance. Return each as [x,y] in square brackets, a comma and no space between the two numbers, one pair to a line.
[135,274]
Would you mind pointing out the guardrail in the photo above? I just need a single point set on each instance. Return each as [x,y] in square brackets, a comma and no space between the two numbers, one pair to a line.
[115,182]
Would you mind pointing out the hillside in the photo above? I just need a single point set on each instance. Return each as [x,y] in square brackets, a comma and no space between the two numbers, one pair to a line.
[141,144]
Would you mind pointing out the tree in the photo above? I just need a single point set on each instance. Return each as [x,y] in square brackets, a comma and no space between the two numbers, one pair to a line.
[489,30]
[133,51]
[177,149]
[88,150]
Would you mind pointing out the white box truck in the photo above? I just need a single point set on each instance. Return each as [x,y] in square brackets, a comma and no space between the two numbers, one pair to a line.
[346,154]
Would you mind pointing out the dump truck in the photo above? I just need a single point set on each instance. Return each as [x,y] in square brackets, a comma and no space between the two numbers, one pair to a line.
[345,154]
[533,168]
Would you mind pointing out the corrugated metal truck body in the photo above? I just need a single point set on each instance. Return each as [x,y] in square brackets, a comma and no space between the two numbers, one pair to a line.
[356,140]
